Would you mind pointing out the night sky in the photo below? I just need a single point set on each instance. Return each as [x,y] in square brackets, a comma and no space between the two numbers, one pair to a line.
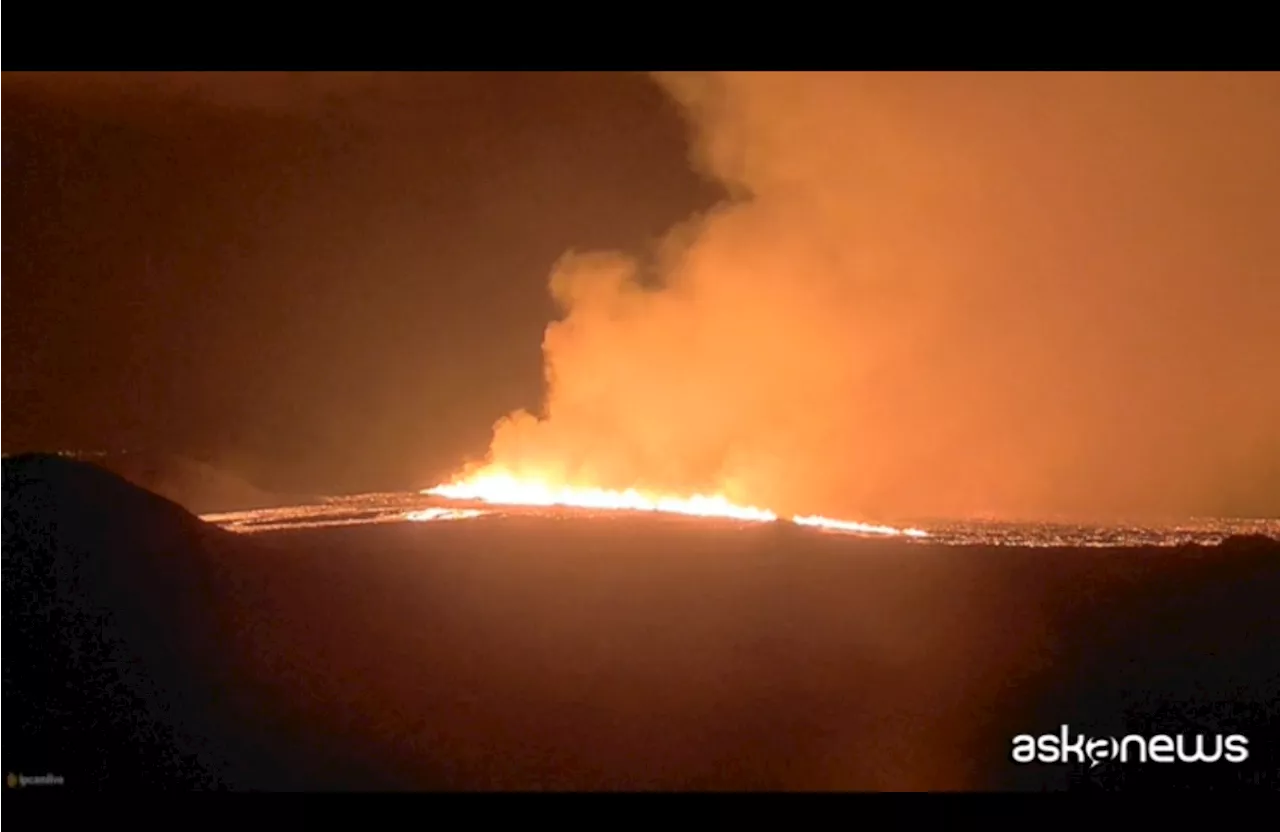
[322,282]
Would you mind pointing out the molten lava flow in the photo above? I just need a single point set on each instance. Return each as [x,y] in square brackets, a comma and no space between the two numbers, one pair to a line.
[429,514]
[826,523]
[504,489]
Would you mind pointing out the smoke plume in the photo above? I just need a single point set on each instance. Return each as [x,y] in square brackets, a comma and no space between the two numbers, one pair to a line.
[940,295]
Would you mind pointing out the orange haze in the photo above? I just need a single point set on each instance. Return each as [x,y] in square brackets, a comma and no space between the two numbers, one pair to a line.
[939,295]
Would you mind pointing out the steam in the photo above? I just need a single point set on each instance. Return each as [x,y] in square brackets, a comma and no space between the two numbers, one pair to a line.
[940,295]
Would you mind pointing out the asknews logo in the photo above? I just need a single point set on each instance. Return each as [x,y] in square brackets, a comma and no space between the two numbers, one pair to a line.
[1162,748]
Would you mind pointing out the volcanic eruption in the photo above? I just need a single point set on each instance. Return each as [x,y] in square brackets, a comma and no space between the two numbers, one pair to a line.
[923,297]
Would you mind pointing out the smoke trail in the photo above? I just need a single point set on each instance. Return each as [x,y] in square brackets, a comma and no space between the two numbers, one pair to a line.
[1011,295]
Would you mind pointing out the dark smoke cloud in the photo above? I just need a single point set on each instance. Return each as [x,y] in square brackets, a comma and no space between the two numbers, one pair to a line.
[1009,295]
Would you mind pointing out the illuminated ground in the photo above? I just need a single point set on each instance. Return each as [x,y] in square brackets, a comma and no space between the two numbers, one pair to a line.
[366,509]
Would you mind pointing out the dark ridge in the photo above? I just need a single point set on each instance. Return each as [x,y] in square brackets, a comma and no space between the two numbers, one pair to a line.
[141,650]
[98,577]
[126,627]
[197,485]
[43,487]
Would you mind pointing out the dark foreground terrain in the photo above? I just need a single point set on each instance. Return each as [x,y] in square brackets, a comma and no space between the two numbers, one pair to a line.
[143,647]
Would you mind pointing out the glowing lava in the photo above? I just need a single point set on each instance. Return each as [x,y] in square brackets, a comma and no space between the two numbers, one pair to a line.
[504,489]
[430,514]
[853,528]
[501,489]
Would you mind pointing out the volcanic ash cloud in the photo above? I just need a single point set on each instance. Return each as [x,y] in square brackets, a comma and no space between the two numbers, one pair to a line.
[933,295]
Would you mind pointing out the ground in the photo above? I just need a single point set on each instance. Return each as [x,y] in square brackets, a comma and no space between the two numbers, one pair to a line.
[529,653]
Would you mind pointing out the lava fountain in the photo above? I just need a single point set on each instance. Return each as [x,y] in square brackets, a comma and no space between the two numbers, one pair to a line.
[504,489]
